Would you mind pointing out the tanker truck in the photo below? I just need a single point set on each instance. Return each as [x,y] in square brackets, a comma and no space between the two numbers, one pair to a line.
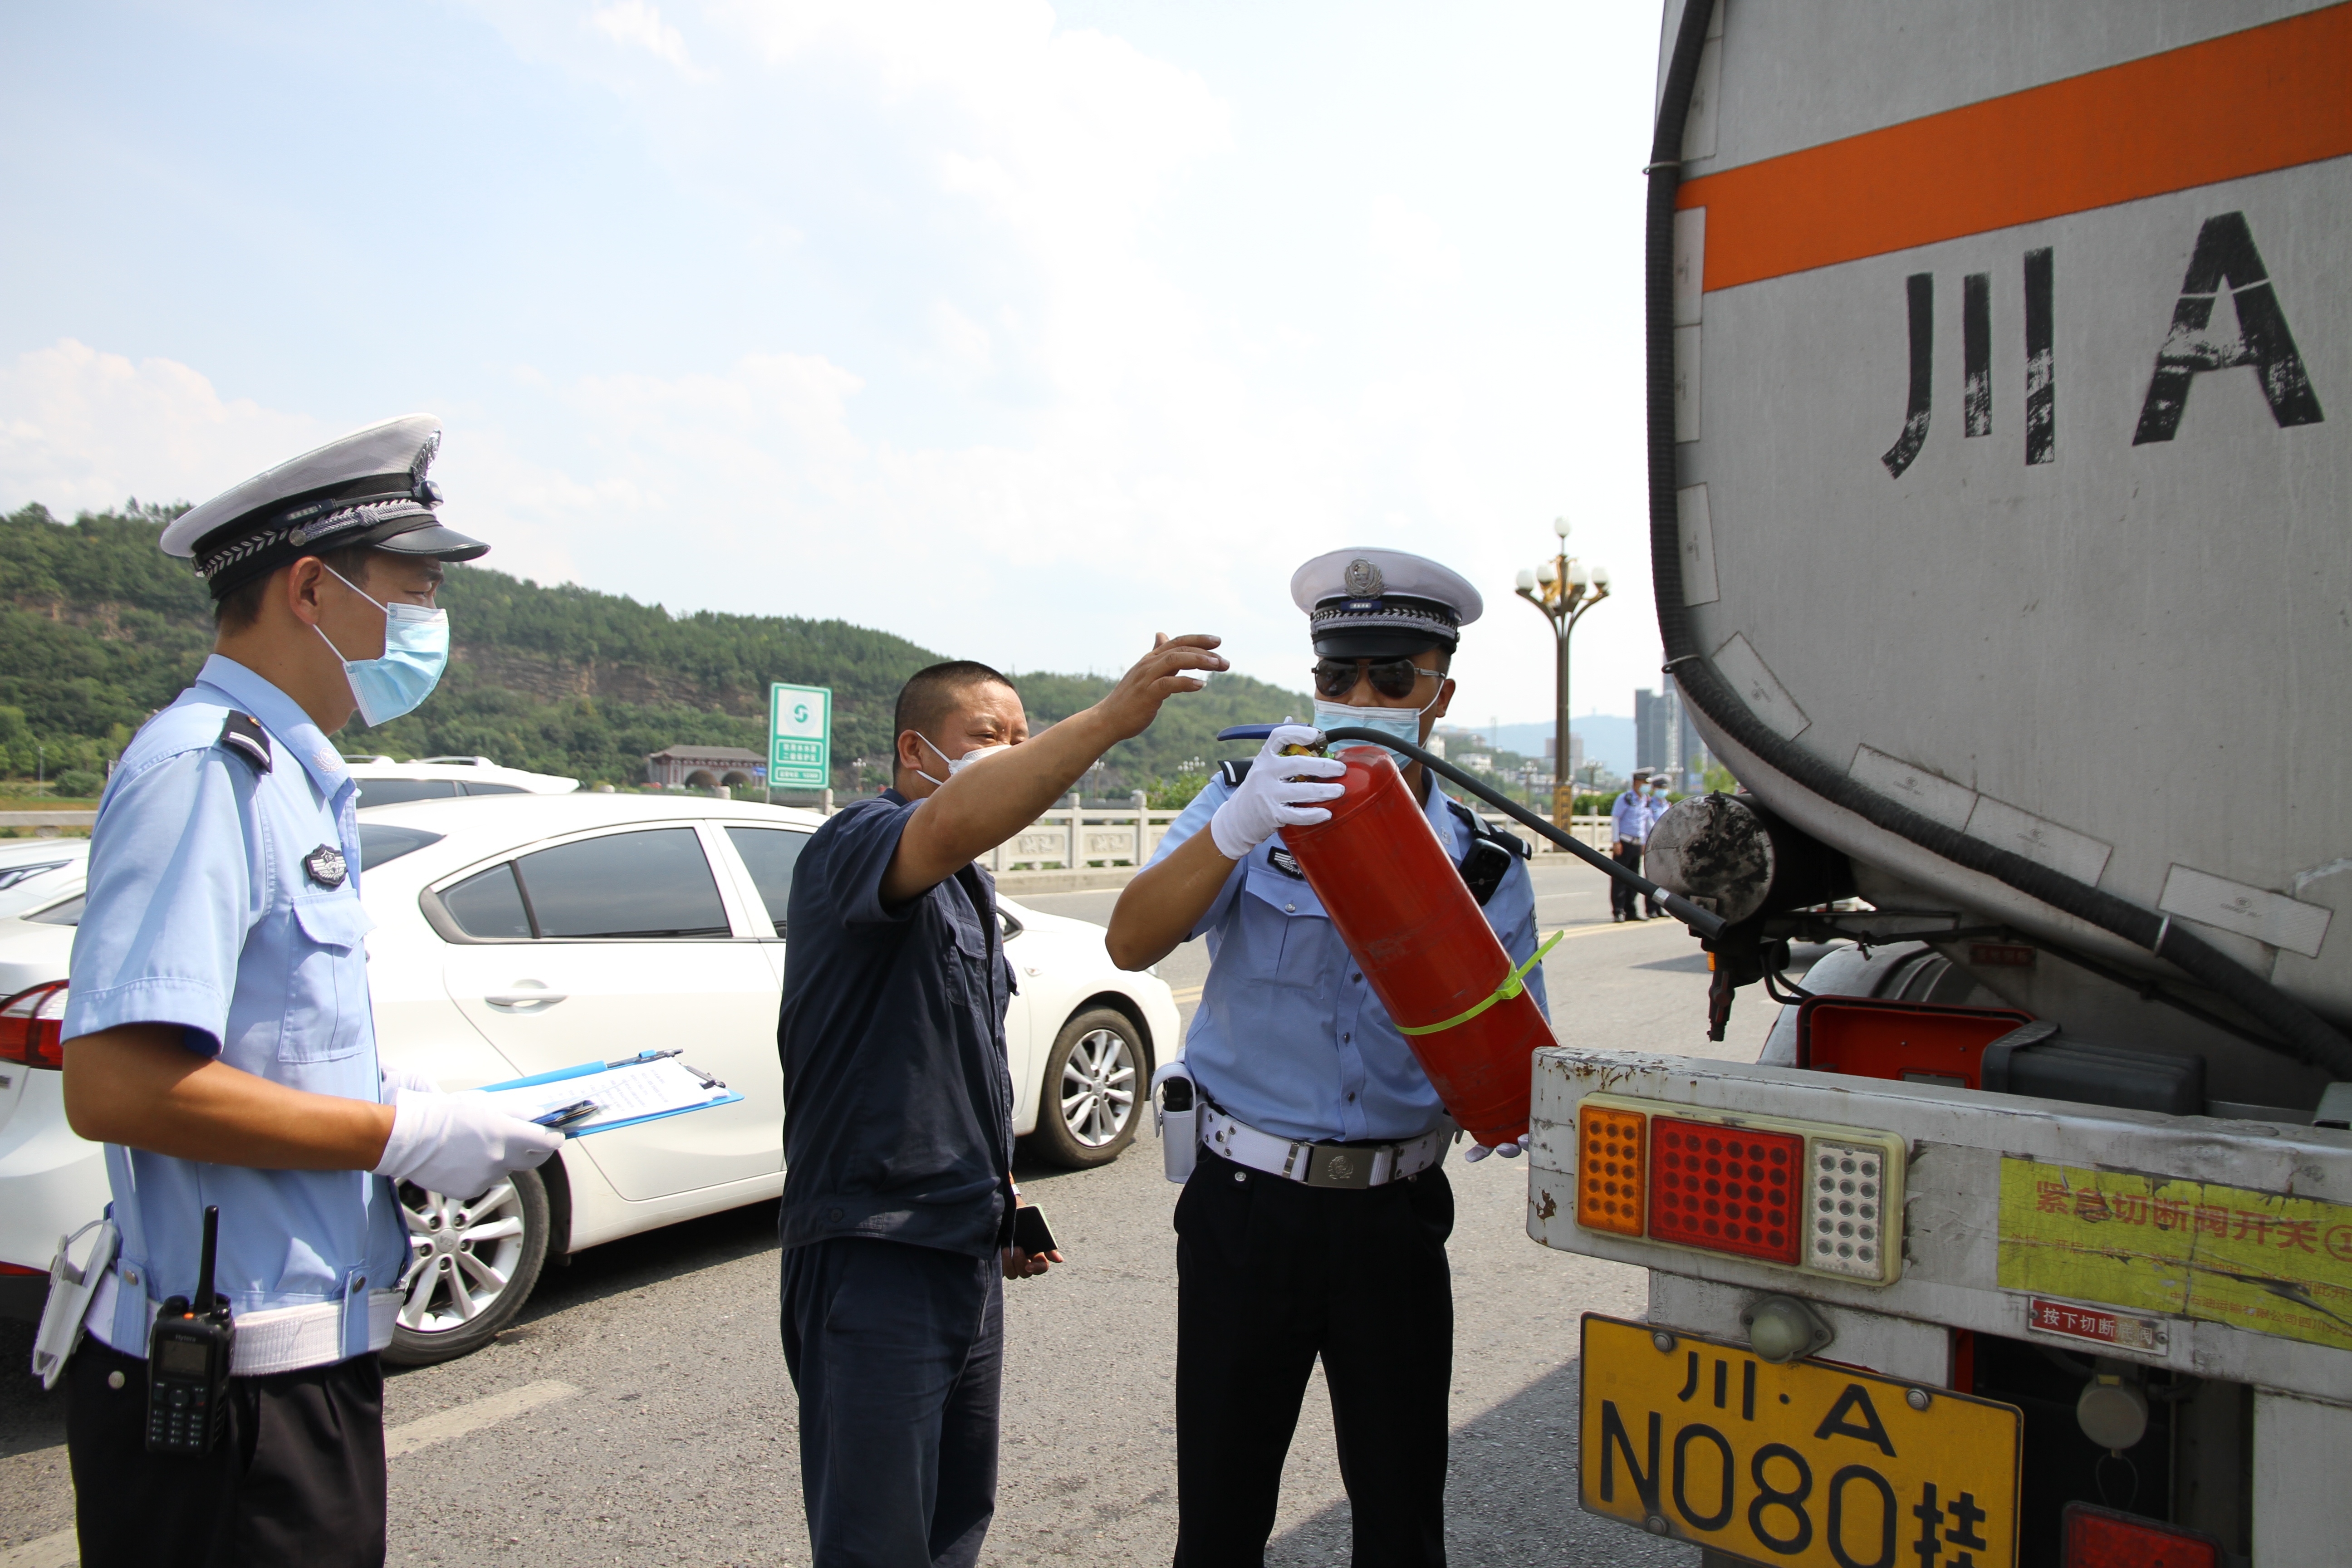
[1999,378]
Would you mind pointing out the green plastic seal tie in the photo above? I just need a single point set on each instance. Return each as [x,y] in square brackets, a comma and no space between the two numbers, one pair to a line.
[1513,984]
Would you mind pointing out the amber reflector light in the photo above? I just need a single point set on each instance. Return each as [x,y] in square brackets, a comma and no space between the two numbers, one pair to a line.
[1609,1169]
[1726,1189]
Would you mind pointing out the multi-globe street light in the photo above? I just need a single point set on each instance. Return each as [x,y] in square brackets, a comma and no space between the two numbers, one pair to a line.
[1563,588]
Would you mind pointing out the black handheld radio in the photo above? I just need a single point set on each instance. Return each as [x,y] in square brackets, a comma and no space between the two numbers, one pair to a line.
[187,1362]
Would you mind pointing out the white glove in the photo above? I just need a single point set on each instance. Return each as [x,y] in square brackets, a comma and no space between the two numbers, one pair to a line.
[1280,792]
[394,1079]
[459,1145]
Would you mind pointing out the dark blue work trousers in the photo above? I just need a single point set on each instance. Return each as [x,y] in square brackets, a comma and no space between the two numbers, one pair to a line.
[898,1352]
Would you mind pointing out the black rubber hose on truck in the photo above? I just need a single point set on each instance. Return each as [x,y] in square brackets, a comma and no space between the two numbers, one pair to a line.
[1705,922]
[2302,1034]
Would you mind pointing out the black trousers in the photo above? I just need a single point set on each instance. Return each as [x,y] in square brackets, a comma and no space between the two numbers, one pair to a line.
[1621,897]
[1270,1274]
[897,1354]
[297,1479]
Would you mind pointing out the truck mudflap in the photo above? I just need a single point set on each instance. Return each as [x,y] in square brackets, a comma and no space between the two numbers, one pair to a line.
[2213,1248]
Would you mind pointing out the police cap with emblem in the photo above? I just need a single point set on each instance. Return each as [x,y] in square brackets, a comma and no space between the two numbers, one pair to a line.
[367,487]
[1383,604]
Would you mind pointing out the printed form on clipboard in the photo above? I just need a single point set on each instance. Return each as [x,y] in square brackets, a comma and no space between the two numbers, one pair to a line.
[597,1097]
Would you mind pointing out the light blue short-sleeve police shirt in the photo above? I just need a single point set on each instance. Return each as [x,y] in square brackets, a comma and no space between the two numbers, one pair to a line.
[224,898]
[1288,1036]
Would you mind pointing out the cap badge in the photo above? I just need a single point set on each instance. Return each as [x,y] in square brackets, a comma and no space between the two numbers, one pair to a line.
[326,866]
[1363,579]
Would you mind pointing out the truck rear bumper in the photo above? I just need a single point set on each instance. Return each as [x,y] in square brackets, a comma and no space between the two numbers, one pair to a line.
[2190,1243]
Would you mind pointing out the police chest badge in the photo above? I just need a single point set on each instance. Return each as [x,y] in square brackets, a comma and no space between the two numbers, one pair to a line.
[325,864]
[1284,861]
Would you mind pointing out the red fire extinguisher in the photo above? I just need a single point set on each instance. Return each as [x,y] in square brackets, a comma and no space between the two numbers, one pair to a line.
[1424,947]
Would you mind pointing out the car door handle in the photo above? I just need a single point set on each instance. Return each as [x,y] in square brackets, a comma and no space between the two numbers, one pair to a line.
[524,998]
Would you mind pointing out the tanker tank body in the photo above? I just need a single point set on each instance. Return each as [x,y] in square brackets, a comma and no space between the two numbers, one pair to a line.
[2010,473]
[1999,368]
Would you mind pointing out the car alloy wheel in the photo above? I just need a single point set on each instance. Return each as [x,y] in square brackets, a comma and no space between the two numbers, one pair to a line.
[472,1263]
[1093,1088]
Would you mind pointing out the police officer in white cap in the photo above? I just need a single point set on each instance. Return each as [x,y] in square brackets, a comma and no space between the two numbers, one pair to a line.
[219,1040]
[1315,1218]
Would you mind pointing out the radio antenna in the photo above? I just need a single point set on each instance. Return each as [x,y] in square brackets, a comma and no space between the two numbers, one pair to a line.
[204,1268]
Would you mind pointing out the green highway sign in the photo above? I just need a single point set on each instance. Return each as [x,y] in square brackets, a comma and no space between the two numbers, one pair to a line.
[800,736]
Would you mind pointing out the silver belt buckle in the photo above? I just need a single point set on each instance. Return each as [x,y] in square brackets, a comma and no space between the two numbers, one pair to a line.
[1336,1165]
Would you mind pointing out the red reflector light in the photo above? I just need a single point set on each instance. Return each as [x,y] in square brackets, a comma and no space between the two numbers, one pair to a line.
[19,1268]
[2102,1538]
[30,1022]
[1726,1189]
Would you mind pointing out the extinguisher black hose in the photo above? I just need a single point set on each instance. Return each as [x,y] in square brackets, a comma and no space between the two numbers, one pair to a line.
[1682,908]
[2301,1033]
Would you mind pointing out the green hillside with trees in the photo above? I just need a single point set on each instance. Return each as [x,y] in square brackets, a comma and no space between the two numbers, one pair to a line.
[99,628]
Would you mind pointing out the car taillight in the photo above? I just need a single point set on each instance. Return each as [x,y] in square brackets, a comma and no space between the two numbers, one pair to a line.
[30,1022]
[1798,1195]
[1724,1189]
[2103,1538]
[1609,1169]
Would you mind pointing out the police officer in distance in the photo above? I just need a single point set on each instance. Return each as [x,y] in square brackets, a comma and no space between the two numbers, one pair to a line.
[1287,1247]
[219,1035]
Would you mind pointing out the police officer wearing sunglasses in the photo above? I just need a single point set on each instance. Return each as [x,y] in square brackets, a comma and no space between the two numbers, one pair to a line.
[219,1040]
[1315,1218]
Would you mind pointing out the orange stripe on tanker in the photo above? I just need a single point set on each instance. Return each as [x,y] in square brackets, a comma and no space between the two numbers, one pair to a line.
[2245,104]
[1423,945]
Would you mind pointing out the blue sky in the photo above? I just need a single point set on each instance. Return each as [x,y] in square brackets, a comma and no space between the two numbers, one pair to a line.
[1022,330]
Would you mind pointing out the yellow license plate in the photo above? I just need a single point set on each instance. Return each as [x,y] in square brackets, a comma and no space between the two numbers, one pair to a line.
[1807,1464]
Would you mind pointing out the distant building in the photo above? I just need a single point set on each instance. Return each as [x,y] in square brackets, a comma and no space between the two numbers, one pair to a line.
[1664,737]
[706,767]
[1478,762]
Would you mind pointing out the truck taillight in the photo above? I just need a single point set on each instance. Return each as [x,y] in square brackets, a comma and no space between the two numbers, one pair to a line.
[2103,1538]
[1609,1169]
[30,1022]
[1797,1194]
[1724,1189]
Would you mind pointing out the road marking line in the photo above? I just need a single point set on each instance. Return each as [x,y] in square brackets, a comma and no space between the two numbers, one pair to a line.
[1184,992]
[63,1549]
[443,1426]
[60,1550]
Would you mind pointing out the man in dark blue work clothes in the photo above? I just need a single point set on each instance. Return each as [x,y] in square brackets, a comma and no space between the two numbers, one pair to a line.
[898,1196]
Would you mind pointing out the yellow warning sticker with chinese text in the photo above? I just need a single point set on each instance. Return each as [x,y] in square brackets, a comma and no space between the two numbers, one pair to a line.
[2265,1262]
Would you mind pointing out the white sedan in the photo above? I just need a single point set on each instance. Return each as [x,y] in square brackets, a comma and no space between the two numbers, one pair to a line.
[523,933]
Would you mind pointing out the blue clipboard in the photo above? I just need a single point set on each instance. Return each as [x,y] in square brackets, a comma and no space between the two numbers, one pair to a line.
[587,1069]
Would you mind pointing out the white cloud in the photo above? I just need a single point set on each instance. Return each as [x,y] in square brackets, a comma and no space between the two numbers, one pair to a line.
[640,26]
[82,431]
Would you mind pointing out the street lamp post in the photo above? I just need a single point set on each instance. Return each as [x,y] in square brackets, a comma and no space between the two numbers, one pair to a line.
[1563,588]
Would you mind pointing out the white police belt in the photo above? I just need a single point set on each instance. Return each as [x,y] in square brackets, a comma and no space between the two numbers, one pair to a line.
[1349,1166]
[280,1338]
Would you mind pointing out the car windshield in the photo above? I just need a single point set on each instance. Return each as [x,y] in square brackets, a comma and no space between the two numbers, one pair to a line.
[380,843]
[394,792]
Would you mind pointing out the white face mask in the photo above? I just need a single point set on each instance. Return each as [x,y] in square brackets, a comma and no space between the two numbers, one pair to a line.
[957,764]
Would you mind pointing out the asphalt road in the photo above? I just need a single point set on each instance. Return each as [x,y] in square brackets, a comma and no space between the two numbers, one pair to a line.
[638,1411]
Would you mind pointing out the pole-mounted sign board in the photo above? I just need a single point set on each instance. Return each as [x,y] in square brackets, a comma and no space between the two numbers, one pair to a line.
[800,736]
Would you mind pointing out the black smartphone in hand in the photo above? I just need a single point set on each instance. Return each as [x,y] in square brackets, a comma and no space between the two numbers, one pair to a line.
[1031,1234]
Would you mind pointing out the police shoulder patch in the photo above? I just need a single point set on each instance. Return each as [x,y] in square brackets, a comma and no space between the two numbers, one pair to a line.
[245,736]
[326,866]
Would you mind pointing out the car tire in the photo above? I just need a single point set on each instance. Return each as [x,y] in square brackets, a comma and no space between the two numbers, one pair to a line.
[472,1264]
[1092,1099]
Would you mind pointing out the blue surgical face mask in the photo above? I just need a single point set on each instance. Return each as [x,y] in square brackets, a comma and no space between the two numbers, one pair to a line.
[416,652]
[1405,723]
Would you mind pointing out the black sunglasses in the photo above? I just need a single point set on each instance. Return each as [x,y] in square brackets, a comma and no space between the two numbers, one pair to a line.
[1393,678]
